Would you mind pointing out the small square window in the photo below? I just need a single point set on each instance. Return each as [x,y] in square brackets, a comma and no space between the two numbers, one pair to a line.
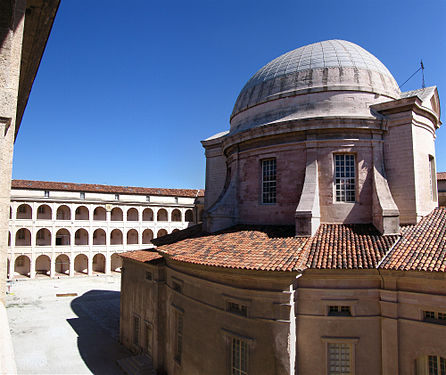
[46,193]
[149,275]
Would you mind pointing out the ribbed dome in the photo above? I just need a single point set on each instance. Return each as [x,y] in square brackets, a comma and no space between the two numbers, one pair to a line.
[322,66]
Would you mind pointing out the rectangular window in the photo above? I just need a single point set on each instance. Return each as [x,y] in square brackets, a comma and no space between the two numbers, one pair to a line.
[148,338]
[116,197]
[82,195]
[239,357]
[434,317]
[235,308]
[345,178]
[178,335]
[148,275]
[136,330]
[339,311]
[46,194]
[147,198]
[269,183]
[176,287]
[433,178]
[339,359]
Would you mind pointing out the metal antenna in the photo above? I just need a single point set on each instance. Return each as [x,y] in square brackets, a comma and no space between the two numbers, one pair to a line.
[422,73]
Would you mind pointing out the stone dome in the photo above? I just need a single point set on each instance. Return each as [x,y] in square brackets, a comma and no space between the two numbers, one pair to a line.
[331,65]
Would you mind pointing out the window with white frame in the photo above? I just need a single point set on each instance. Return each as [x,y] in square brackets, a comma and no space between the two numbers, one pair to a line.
[339,358]
[345,177]
[239,356]
[46,193]
[269,182]
[82,195]
[430,365]
[116,197]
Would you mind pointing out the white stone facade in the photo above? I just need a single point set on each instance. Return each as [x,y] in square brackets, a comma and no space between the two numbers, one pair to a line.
[58,233]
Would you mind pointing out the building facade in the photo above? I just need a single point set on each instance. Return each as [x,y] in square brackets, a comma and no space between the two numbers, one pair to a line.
[58,229]
[322,247]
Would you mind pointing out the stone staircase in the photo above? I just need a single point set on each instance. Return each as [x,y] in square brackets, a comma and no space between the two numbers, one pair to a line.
[140,364]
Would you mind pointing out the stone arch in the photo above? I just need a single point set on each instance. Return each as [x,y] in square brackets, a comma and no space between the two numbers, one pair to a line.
[116,262]
[43,265]
[132,237]
[161,215]
[63,237]
[24,211]
[62,264]
[99,214]
[99,237]
[43,237]
[81,213]
[116,237]
[161,232]
[81,264]
[23,237]
[63,213]
[147,214]
[116,214]
[99,263]
[81,237]
[132,214]
[147,236]
[22,265]
[44,212]
[175,230]
[175,215]
[189,216]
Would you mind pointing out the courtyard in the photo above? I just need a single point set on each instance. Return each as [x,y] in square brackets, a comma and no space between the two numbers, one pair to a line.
[66,325]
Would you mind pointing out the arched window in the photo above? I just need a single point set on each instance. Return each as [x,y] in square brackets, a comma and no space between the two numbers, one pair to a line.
[116,214]
[147,236]
[161,215]
[43,237]
[81,237]
[99,237]
[23,237]
[176,215]
[132,237]
[116,237]
[99,213]
[63,213]
[62,237]
[81,213]
[132,214]
[161,232]
[431,365]
[44,212]
[189,216]
[147,215]
[24,211]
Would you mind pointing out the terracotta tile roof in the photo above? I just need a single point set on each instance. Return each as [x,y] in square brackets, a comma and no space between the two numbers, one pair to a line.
[141,255]
[422,246]
[347,246]
[265,248]
[441,176]
[70,186]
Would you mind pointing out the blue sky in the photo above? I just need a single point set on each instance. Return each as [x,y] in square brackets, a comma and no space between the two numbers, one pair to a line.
[127,89]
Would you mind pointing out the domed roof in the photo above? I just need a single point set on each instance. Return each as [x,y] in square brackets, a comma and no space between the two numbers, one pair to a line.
[347,66]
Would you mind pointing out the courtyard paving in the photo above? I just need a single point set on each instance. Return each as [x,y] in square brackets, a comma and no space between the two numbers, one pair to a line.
[66,334]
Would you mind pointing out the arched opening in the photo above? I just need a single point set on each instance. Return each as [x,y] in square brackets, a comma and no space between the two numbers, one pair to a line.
[176,215]
[116,214]
[100,214]
[23,237]
[44,212]
[43,265]
[430,365]
[24,211]
[22,265]
[116,263]
[81,264]
[99,237]
[175,230]
[43,237]
[132,214]
[116,237]
[62,237]
[81,213]
[63,213]
[147,236]
[99,263]
[161,215]
[161,232]
[132,237]
[147,215]
[81,237]
[62,265]
[189,216]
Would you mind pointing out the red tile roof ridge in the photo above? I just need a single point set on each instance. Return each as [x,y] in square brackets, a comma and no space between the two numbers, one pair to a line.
[72,186]
[145,255]
[441,176]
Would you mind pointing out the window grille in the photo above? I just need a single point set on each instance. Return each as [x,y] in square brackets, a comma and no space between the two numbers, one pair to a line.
[345,178]
[339,310]
[239,357]
[269,183]
[434,317]
[235,308]
[339,359]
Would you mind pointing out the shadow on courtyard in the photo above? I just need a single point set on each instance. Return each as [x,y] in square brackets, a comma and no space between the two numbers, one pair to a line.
[97,327]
